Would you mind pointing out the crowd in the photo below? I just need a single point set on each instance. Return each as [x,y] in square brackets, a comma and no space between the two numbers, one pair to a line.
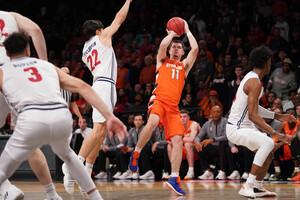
[226,32]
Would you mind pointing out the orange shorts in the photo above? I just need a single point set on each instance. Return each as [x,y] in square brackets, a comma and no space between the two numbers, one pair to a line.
[169,117]
[184,154]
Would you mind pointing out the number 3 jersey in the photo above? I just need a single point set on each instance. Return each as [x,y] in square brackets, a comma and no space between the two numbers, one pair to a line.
[100,59]
[29,83]
[170,77]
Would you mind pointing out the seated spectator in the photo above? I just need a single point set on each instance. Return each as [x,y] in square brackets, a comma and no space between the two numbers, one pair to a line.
[281,56]
[211,143]
[121,75]
[277,42]
[202,90]
[138,105]
[294,100]
[245,64]
[234,84]
[277,103]
[271,98]
[148,72]
[207,103]
[147,92]
[187,102]
[203,68]
[188,89]
[297,107]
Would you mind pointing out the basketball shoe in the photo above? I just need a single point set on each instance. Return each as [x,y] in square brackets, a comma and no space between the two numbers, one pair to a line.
[101,175]
[134,162]
[69,182]
[296,178]
[221,175]
[247,190]
[12,193]
[148,175]
[174,184]
[165,176]
[206,176]
[234,175]
[262,192]
[189,176]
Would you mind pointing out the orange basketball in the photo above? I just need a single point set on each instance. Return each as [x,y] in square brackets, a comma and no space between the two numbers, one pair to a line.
[176,24]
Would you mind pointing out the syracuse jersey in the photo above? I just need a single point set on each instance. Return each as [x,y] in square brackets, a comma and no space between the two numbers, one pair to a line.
[188,130]
[100,60]
[169,82]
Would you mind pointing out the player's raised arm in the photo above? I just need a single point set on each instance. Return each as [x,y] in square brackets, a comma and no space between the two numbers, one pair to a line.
[120,17]
[162,51]
[34,31]
[191,57]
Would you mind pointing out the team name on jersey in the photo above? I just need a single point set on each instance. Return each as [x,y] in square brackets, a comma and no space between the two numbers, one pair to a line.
[89,49]
[173,66]
[25,64]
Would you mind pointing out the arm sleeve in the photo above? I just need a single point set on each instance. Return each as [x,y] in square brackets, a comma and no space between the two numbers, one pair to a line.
[264,113]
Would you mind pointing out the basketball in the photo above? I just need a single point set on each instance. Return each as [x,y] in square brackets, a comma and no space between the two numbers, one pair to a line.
[176,24]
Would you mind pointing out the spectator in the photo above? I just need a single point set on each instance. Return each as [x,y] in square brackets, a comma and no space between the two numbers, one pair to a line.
[297,107]
[293,100]
[277,42]
[203,68]
[245,64]
[121,75]
[202,90]
[146,46]
[277,104]
[228,67]
[134,72]
[138,105]
[211,143]
[234,84]
[281,55]
[221,30]
[201,25]
[271,98]
[207,103]
[187,102]
[294,45]
[283,26]
[148,72]
[202,45]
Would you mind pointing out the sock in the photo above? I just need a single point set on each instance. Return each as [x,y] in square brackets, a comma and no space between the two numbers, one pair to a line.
[251,179]
[6,184]
[138,149]
[297,169]
[82,159]
[89,168]
[174,174]
[95,195]
[50,191]
[277,169]
[258,184]
[191,169]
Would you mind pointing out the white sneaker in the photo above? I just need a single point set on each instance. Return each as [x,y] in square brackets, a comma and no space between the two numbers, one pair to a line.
[117,175]
[267,176]
[101,175]
[245,176]
[165,176]
[126,175]
[83,193]
[69,182]
[234,175]
[148,175]
[247,191]
[221,175]
[189,176]
[206,176]
[135,176]
[12,193]
[262,192]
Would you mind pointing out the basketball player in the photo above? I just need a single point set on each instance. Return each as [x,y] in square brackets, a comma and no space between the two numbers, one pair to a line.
[163,106]
[43,115]
[13,22]
[245,114]
[99,57]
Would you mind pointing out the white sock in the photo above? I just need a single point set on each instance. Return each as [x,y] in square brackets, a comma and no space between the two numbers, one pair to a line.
[277,169]
[174,174]
[5,185]
[191,169]
[82,159]
[89,168]
[258,184]
[138,149]
[95,195]
[50,191]
[251,179]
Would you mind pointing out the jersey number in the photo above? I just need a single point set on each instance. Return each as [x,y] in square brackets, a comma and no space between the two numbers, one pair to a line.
[175,71]
[90,59]
[35,76]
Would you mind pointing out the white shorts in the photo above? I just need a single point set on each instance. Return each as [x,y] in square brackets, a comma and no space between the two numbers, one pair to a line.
[251,138]
[107,92]
[35,128]
[4,110]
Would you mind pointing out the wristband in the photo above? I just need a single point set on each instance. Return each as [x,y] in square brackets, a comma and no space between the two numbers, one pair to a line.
[189,33]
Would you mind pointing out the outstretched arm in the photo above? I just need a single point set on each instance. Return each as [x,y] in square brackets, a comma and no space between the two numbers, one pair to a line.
[191,57]
[120,17]
[34,31]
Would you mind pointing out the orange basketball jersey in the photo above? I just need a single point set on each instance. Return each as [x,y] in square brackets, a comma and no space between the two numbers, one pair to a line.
[169,82]
[188,130]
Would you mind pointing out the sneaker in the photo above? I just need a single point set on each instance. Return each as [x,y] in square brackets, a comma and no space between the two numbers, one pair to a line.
[276,177]
[174,184]
[101,175]
[135,176]
[126,175]
[12,193]
[234,175]
[206,176]
[221,175]
[247,191]
[295,173]
[83,193]
[117,175]
[134,161]
[189,176]
[262,192]
[296,178]
[69,182]
[165,176]
[148,175]
[267,176]
[245,176]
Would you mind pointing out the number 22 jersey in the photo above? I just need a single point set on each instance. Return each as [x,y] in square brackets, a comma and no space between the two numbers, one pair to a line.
[100,60]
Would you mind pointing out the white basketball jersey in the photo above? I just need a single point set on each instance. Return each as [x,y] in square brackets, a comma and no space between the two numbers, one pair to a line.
[239,109]
[30,83]
[101,60]
[8,25]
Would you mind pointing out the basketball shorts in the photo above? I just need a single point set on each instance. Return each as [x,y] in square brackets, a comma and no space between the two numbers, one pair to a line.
[4,110]
[107,92]
[169,116]
[251,138]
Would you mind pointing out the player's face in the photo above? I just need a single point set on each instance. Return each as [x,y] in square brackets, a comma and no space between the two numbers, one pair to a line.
[138,121]
[176,50]
[184,118]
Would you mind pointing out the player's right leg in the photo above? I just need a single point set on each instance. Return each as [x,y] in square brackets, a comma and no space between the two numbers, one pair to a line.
[143,139]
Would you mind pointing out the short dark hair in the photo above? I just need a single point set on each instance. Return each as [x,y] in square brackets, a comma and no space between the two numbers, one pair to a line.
[184,112]
[260,56]
[90,26]
[176,41]
[16,43]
